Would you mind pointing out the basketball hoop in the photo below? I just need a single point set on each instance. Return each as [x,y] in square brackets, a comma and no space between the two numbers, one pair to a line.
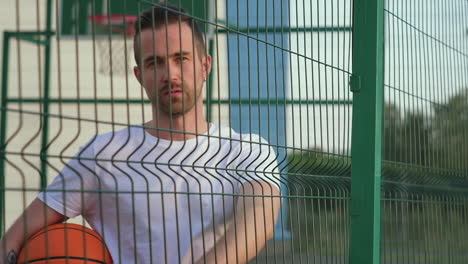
[114,41]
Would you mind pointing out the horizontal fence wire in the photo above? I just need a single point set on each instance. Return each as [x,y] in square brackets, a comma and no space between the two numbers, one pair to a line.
[425,200]
[104,148]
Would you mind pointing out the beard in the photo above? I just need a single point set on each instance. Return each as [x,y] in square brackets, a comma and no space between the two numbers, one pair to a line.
[178,105]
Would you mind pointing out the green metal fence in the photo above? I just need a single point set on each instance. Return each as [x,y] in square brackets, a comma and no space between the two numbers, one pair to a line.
[424,169]
[363,103]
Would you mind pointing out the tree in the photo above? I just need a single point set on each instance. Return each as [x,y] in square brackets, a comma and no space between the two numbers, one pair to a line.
[406,138]
[450,133]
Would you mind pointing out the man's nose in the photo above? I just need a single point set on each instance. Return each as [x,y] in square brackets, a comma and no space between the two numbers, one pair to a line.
[172,74]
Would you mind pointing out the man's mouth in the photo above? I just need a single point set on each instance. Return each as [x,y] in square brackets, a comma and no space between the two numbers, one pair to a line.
[172,92]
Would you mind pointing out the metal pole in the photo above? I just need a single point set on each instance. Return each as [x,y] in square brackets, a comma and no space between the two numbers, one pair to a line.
[367,85]
[209,92]
[3,127]
[46,95]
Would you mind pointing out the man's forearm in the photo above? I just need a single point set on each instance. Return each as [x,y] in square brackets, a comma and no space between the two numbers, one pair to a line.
[9,249]
[36,216]
[256,212]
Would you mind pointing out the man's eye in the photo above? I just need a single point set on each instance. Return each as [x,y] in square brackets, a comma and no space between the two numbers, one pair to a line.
[149,64]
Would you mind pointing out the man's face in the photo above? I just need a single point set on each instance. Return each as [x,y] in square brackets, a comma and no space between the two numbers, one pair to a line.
[171,70]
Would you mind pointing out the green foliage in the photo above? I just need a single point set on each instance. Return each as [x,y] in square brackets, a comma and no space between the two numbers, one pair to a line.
[424,185]
[315,174]
[316,162]
[437,141]
[415,145]
[406,139]
[450,133]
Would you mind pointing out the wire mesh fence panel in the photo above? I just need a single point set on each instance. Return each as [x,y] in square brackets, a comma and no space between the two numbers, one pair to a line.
[225,133]
[425,139]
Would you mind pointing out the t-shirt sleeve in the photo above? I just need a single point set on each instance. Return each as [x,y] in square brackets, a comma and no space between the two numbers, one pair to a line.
[71,190]
[257,161]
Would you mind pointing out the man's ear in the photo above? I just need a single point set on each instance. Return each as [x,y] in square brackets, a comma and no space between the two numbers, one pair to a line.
[206,64]
[137,73]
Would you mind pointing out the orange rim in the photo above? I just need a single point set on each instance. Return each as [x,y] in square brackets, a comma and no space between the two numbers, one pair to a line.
[112,21]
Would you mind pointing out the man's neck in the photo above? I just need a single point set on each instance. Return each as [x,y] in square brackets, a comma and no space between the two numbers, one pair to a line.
[177,128]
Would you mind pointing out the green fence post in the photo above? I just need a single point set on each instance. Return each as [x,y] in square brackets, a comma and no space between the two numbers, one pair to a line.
[367,85]
[3,126]
[209,92]
[46,96]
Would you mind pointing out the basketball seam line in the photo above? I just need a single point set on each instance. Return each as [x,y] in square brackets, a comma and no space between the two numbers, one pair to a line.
[63,257]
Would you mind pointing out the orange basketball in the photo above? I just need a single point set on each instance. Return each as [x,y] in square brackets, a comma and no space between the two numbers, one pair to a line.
[65,243]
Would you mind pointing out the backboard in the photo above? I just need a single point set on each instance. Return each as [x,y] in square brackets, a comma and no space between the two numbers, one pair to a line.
[74,13]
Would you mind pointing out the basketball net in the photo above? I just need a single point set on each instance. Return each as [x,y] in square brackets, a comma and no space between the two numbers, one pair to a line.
[114,43]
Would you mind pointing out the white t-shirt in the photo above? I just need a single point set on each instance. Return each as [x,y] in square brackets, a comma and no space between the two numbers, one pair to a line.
[160,201]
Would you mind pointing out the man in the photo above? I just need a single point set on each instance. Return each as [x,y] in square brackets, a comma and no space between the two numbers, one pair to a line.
[176,189]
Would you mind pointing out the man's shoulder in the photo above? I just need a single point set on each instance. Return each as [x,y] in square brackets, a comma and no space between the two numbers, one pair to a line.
[228,133]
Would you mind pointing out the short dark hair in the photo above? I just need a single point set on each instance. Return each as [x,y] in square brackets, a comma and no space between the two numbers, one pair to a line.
[165,14]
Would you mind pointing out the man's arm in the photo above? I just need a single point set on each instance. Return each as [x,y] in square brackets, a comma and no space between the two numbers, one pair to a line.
[37,216]
[256,215]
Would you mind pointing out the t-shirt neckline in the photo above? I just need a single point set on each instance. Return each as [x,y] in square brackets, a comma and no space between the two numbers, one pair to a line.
[199,137]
